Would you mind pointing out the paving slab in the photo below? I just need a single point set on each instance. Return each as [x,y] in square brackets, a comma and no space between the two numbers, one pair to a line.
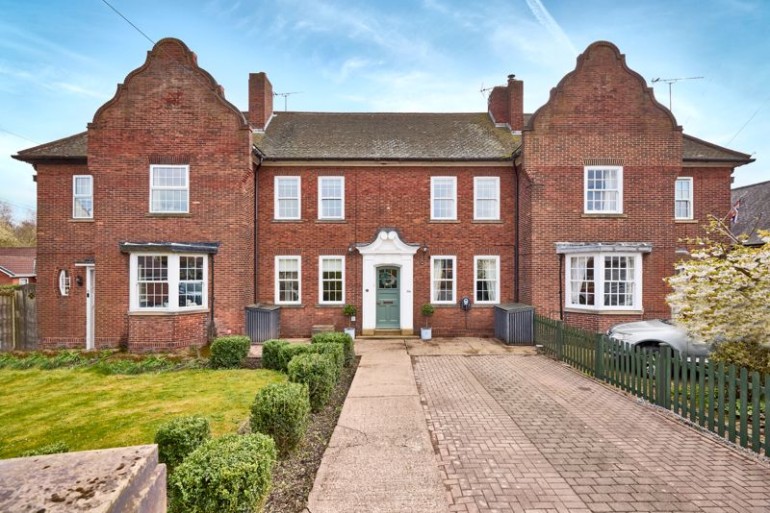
[380,457]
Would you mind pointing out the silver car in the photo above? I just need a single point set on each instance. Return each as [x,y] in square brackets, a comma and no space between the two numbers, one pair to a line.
[650,334]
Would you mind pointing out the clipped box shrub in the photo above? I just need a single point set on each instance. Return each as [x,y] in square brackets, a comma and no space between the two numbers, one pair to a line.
[282,410]
[52,448]
[271,354]
[337,338]
[229,352]
[289,351]
[179,437]
[336,352]
[317,371]
[230,474]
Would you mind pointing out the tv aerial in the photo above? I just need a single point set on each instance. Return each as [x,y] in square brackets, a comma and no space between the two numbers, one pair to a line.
[670,82]
[286,97]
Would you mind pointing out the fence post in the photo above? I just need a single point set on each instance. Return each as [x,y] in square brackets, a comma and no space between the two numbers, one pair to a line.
[599,357]
[662,376]
[559,340]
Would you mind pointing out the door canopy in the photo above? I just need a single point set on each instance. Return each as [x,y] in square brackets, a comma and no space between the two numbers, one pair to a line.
[388,242]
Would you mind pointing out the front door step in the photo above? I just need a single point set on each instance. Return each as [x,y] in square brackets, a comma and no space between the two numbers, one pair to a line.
[388,333]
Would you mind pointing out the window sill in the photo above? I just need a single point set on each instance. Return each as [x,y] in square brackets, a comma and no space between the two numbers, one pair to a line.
[602,312]
[686,221]
[288,220]
[608,215]
[331,221]
[174,215]
[487,221]
[152,313]
[445,221]
[290,305]
[329,305]
[484,305]
[82,220]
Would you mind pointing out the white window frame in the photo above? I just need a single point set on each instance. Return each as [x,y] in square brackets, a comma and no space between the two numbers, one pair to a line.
[434,180]
[476,181]
[341,198]
[65,282]
[173,283]
[298,197]
[76,196]
[689,200]
[496,259]
[321,260]
[23,281]
[599,280]
[433,290]
[278,300]
[185,189]
[619,190]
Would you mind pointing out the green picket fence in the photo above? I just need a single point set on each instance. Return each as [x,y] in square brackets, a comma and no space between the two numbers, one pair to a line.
[726,400]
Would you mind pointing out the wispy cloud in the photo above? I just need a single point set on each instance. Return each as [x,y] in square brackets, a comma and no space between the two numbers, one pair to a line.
[546,20]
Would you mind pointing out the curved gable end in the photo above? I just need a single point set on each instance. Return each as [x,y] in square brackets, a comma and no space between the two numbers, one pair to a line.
[602,84]
[170,82]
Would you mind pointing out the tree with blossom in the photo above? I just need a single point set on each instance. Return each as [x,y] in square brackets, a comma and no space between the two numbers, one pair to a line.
[722,294]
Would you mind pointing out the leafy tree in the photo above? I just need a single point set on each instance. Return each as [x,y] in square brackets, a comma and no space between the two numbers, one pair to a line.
[12,233]
[720,295]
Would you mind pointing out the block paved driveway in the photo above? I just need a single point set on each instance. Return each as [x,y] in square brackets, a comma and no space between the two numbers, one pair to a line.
[519,433]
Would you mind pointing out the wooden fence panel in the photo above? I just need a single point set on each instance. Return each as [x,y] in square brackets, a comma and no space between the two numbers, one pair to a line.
[18,319]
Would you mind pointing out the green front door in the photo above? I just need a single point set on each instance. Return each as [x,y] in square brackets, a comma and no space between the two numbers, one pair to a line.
[388,311]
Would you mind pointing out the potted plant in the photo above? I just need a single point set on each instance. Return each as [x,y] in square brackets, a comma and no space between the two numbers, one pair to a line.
[349,311]
[426,332]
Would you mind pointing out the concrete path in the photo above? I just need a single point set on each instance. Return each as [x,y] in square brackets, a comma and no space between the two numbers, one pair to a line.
[380,457]
[509,431]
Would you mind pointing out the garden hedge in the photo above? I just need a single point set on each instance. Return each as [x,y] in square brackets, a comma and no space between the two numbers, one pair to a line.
[230,474]
[229,352]
[271,354]
[337,338]
[179,437]
[318,372]
[282,410]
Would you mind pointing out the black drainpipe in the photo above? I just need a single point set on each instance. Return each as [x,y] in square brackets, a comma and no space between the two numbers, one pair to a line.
[516,248]
[260,158]
[561,287]
[212,328]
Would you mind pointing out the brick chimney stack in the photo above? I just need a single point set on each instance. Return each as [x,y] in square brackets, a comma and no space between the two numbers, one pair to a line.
[260,100]
[506,104]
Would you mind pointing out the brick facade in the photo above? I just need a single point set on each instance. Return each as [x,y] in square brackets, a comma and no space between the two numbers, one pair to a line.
[170,111]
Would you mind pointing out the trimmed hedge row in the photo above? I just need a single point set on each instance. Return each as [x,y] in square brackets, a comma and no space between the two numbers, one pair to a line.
[229,352]
[318,372]
[180,437]
[282,410]
[229,474]
[337,338]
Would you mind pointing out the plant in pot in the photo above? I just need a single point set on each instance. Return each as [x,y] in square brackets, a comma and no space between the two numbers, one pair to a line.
[349,311]
[426,332]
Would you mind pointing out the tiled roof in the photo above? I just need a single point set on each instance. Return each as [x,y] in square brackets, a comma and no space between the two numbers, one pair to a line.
[381,136]
[384,136]
[18,261]
[753,211]
[695,149]
[72,147]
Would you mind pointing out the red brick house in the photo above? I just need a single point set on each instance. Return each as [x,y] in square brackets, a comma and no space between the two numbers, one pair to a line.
[184,210]
[17,266]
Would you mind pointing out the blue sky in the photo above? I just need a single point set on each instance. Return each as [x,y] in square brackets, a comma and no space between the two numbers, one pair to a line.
[59,61]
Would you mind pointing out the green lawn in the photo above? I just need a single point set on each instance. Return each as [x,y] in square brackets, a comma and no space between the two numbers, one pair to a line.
[88,410]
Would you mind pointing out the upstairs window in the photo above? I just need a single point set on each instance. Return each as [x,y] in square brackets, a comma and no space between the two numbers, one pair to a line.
[683,199]
[82,197]
[604,190]
[331,197]
[442,279]
[486,198]
[169,189]
[287,198]
[443,193]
